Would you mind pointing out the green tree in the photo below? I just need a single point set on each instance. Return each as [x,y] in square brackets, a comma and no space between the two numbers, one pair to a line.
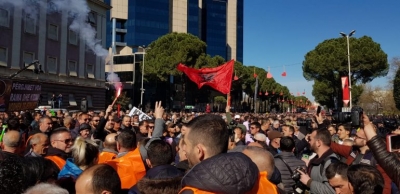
[396,89]
[168,51]
[328,62]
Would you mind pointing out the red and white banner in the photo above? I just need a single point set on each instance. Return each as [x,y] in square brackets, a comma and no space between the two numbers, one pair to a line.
[345,90]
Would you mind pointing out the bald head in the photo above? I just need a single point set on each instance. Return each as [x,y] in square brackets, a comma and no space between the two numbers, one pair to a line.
[255,144]
[11,139]
[262,158]
[110,142]
[98,179]
[38,137]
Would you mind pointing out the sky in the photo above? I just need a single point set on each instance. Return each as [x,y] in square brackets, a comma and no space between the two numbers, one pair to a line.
[278,33]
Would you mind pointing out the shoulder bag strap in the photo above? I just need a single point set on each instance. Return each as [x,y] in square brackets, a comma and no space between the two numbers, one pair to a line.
[290,170]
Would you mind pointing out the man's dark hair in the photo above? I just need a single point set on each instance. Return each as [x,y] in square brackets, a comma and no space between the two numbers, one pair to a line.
[59,130]
[105,178]
[256,124]
[127,139]
[159,153]
[246,118]
[337,168]
[324,135]
[365,179]
[143,122]
[291,128]
[13,124]
[346,127]
[211,131]
[287,144]
[12,177]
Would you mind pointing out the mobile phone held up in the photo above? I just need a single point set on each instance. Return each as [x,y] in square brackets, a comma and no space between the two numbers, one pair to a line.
[393,143]
[318,110]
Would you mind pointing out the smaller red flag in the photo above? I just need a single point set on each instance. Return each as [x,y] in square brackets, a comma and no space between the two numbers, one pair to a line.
[266,93]
[254,72]
[284,74]
[259,93]
[235,78]
[269,75]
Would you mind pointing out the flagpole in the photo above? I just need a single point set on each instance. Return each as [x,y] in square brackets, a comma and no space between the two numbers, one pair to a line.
[255,95]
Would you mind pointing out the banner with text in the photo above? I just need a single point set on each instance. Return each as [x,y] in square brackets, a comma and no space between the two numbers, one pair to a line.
[19,95]
[142,115]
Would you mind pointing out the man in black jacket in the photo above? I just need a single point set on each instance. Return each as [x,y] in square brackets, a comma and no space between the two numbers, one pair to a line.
[205,145]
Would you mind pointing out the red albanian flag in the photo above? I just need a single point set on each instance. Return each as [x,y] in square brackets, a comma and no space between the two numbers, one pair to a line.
[219,78]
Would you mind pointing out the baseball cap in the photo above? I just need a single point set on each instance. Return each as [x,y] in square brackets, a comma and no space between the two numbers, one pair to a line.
[237,116]
[274,134]
[260,137]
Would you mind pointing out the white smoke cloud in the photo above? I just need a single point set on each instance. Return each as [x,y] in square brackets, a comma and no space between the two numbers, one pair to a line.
[78,11]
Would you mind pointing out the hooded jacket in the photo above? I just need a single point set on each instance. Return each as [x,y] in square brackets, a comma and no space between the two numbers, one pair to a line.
[70,170]
[224,173]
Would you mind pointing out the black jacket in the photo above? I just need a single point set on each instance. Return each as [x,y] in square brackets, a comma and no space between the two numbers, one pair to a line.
[57,152]
[158,178]
[387,160]
[224,173]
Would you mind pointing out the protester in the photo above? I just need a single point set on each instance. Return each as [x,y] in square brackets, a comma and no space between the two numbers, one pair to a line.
[365,179]
[205,147]
[287,162]
[109,151]
[98,179]
[46,188]
[336,173]
[11,145]
[38,145]
[315,178]
[60,146]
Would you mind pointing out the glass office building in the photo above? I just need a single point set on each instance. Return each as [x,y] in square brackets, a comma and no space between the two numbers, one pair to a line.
[214,27]
[193,17]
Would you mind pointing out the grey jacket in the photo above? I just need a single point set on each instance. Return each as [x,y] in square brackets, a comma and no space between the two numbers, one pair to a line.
[293,163]
[319,183]
[159,125]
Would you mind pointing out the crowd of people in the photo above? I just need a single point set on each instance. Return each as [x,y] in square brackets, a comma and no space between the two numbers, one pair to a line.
[187,153]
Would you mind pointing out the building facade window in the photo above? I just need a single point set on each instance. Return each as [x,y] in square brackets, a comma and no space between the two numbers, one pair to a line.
[90,71]
[92,19]
[28,57]
[51,64]
[73,37]
[4,17]
[72,68]
[30,24]
[53,32]
[3,56]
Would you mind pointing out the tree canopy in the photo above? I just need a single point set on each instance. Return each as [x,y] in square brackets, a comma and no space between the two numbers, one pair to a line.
[171,49]
[328,62]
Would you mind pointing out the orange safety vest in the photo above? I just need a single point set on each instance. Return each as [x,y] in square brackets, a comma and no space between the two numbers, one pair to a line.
[57,161]
[130,168]
[194,190]
[264,185]
[106,156]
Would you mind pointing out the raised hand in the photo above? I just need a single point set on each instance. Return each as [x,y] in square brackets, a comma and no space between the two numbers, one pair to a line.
[158,111]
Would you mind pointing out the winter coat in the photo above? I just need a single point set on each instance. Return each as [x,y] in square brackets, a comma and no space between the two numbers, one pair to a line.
[158,177]
[293,163]
[319,183]
[70,169]
[228,173]
[351,152]
[389,162]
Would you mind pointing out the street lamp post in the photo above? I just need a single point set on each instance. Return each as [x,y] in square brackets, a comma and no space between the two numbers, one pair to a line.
[348,60]
[142,89]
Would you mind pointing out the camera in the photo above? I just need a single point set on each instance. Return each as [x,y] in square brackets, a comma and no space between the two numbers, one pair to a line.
[296,174]
[305,123]
[354,116]
[298,187]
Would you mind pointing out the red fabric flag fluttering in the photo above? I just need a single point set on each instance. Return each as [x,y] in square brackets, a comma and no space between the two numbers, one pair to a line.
[219,78]
[254,73]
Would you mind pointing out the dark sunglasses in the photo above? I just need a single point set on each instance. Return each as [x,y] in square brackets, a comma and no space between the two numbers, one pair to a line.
[66,141]
[96,120]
